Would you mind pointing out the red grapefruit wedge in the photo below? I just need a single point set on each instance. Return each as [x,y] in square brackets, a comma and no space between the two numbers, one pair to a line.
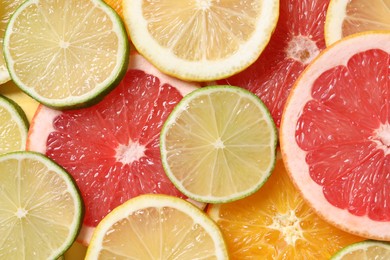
[298,38]
[335,134]
[112,149]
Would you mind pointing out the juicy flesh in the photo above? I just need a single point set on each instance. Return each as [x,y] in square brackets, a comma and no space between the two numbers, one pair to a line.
[112,148]
[10,132]
[371,252]
[35,210]
[297,40]
[70,41]
[222,135]
[201,26]
[6,10]
[157,233]
[345,131]
[366,15]
[275,223]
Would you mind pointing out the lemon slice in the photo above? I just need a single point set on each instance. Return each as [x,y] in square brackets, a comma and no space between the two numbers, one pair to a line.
[66,54]
[6,10]
[13,126]
[157,227]
[219,144]
[40,207]
[201,40]
[346,17]
[369,249]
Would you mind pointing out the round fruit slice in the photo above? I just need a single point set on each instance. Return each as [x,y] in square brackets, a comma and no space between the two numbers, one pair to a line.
[112,148]
[13,126]
[219,144]
[276,223]
[335,134]
[40,207]
[66,53]
[297,40]
[201,39]
[364,250]
[157,227]
[7,9]
[346,17]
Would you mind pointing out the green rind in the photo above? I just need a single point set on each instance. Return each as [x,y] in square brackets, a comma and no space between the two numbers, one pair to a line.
[178,108]
[91,99]
[359,245]
[14,108]
[72,186]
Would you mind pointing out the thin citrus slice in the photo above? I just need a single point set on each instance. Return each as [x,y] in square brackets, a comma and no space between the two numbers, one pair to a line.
[218,144]
[370,249]
[7,8]
[346,17]
[13,126]
[297,40]
[201,39]
[112,148]
[157,227]
[40,207]
[335,134]
[66,53]
[276,223]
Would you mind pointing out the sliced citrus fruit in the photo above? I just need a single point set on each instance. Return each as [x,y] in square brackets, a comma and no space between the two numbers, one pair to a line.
[218,144]
[201,39]
[40,207]
[66,53]
[276,223]
[13,126]
[7,8]
[157,227]
[116,5]
[346,17]
[28,104]
[298,39]
[370,249]
[335,134]
[112,148]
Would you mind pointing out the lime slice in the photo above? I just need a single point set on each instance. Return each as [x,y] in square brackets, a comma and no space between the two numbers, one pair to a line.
[369,249]
[40,207]
[13,126]
[219,144]
[157,226]
[7,7]
[66,54]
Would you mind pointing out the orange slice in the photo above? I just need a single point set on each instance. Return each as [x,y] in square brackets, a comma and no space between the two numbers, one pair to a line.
[276,223]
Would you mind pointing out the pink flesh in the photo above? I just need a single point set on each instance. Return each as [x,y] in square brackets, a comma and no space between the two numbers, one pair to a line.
[273,74]
[84,143]
[338,130]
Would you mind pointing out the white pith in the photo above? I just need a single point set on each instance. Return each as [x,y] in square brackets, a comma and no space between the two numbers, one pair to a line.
[382,138]
[130,153]
[289,225]
[302,49]
[312,192]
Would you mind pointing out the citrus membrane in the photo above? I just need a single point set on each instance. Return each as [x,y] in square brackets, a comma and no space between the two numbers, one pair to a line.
[200,40]
[13,126]
[40,207]
[157,227]
[218,144]
[66,54]
[335,134]
[346,17]
[369,249]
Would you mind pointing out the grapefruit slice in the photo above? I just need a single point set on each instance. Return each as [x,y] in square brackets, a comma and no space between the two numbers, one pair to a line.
[346,17]
[298,38]
[112,148]
[276,223]
[156,226]
[335,134]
